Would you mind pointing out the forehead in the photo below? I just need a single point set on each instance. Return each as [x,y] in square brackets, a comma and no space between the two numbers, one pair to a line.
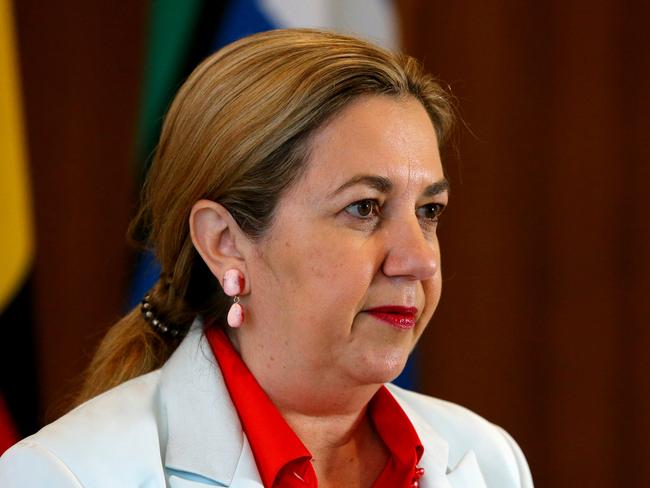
[375,135]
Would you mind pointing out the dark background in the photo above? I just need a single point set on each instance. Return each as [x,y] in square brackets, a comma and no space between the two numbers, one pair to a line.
[543,326]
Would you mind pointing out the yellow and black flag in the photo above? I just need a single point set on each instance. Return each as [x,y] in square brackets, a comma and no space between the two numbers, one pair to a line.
[17,385]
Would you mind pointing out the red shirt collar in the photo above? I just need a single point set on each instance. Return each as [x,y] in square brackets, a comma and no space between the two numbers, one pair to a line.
[281,458]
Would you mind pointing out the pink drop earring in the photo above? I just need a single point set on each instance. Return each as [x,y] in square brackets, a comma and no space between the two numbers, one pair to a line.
[233,286]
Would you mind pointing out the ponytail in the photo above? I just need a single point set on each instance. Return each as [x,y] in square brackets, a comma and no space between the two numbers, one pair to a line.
[130,348]
[134,346]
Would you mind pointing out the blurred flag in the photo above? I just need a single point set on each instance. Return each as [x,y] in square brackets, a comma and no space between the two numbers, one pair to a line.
[17,383]
[375,20]
[179,37]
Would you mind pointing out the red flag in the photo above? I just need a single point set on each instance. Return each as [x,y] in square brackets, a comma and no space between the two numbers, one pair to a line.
[8,436]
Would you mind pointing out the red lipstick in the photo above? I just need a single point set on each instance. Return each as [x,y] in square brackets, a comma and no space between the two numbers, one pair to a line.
[396,315]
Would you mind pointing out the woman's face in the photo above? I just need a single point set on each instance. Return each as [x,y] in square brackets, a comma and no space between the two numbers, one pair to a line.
[348,275]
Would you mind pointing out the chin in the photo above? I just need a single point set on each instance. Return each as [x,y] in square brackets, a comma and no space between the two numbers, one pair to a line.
[381,368]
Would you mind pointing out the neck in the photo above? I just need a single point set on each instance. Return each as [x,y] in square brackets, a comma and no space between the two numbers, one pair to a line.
[326,417]
[346,449]
[327,432]
[327,411]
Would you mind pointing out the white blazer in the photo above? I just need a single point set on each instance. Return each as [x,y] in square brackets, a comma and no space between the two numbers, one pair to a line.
[177,427]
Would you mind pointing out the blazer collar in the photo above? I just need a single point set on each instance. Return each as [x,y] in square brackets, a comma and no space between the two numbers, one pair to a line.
[203,433]
[435,460]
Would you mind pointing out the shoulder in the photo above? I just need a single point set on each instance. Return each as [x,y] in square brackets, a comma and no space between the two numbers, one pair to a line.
[121,425]
[498,455]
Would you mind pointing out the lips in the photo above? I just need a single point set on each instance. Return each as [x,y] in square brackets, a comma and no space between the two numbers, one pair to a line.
[395,315]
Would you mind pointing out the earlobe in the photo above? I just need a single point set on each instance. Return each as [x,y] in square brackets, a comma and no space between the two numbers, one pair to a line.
[215,236]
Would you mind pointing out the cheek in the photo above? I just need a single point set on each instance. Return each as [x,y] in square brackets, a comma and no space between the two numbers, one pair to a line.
[322,275]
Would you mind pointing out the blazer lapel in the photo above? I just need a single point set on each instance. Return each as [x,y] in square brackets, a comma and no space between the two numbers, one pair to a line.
[436,450]
[435,460]
[246,474]
[436,453]
[202,433]
[467,473]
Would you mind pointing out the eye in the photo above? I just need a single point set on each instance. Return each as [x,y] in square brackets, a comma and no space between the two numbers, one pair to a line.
[430,212]
[363,209]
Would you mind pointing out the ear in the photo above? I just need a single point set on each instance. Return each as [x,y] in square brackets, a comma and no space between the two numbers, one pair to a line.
[218,239]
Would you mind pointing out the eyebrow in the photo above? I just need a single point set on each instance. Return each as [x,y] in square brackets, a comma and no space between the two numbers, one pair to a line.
[379,183]
[437,188]
[384,185]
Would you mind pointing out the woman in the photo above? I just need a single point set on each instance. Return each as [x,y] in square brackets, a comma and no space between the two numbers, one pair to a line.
[292,205]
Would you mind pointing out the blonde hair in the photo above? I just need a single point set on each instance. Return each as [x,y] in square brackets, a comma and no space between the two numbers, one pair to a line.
[237,133]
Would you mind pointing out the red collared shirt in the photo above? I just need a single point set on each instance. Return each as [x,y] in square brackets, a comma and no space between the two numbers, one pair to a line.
[281,458]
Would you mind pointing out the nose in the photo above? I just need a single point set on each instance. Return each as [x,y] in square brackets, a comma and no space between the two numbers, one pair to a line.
[410,252]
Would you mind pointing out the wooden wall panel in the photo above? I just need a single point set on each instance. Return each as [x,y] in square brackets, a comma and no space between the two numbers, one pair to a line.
[81,65]
[543,322]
